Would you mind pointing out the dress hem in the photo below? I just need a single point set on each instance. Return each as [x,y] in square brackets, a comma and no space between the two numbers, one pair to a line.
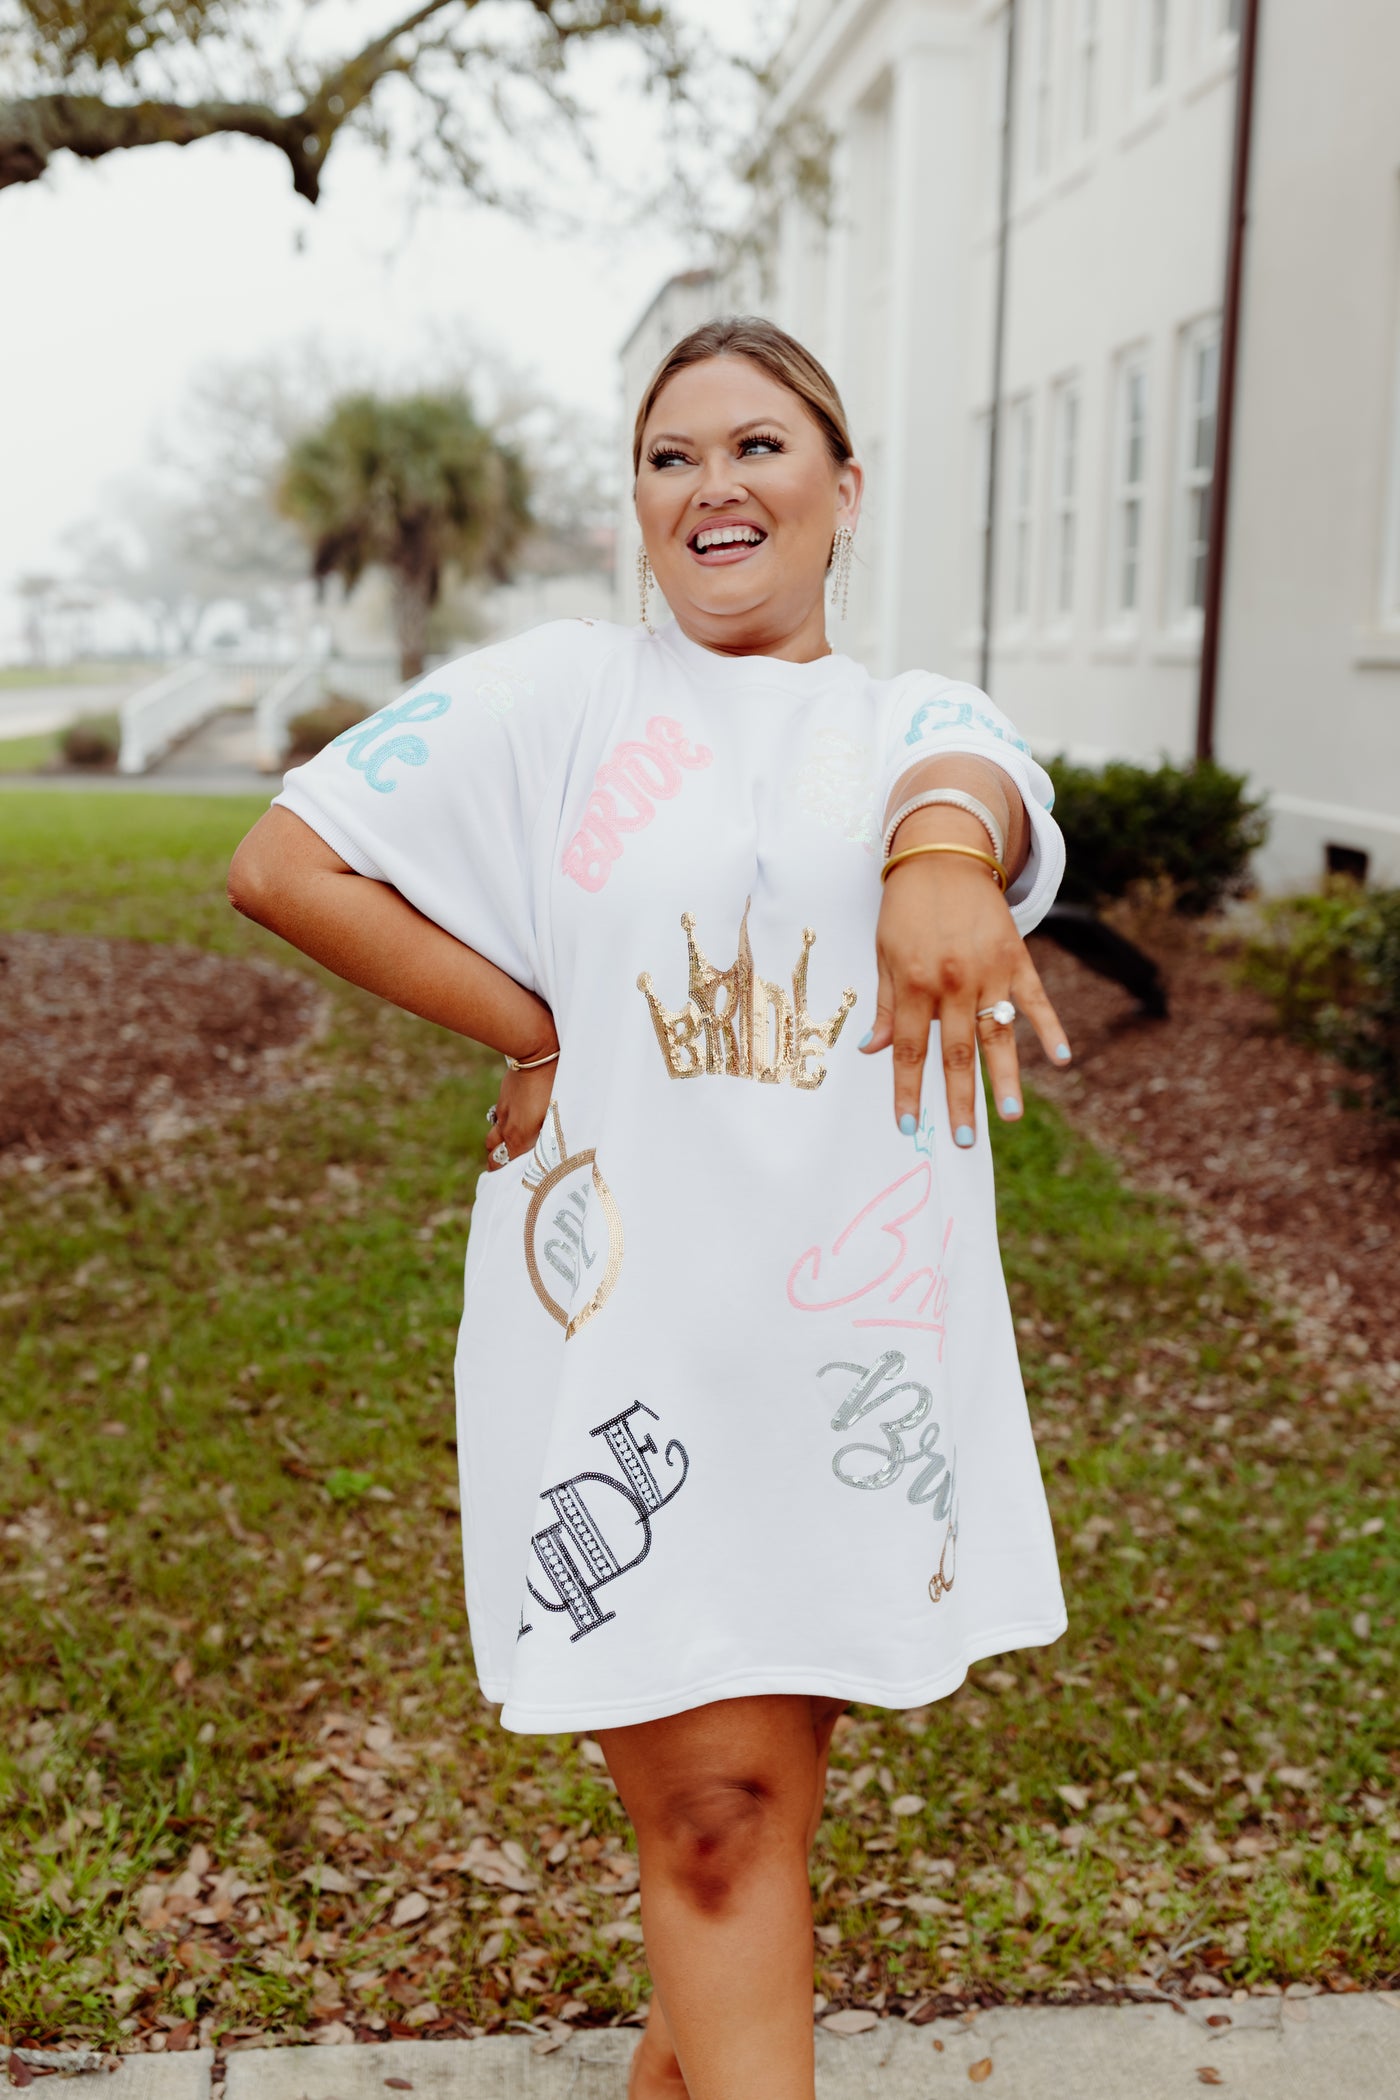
[816,1681]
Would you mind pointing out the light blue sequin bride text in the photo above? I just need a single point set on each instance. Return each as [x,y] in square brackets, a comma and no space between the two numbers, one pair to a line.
[368,755]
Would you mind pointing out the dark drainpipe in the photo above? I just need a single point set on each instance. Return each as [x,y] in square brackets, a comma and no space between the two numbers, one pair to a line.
[1225,405]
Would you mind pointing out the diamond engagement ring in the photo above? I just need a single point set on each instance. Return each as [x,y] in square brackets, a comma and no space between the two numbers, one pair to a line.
[492,1116]
[1002,1012]
[501,1156]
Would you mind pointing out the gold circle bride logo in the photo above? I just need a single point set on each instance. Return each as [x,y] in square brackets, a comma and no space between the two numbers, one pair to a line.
[573,1229]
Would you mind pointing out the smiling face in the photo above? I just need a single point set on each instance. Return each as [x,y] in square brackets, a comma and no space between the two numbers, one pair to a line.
[739,499]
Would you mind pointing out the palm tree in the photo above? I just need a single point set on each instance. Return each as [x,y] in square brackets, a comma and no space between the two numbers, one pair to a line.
[411,485]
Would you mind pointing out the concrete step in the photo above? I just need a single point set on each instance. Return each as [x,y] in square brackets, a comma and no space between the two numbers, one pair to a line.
[1292,2048]
[224,744]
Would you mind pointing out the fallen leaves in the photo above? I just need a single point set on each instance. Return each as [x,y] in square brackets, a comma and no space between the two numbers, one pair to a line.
[334,2035]
[852,2021]
[328,1879]
[1092,1817]
[505,1866]
[1207,2074]
[981,2071]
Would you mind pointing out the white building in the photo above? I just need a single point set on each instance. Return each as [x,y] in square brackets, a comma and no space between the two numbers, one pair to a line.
[1123,125]
[680,305]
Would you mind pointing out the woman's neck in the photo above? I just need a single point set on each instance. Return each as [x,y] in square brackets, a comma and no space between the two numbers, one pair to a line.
[751,635]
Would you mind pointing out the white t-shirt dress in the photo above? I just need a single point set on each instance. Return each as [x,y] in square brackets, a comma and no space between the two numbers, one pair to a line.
[739,1408]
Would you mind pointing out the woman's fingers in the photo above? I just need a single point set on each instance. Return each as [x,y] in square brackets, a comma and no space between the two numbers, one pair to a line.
[521,1107]
[880,1033]
[912,1018]
[1001,1064]
[1030,997]
[958,1028]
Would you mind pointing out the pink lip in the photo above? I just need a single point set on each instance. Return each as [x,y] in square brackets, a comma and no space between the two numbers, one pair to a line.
[737,550]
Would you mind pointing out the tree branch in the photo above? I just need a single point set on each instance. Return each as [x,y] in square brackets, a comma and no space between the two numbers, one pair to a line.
[34,129]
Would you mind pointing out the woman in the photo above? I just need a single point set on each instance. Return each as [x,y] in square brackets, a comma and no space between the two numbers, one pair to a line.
[741,1423]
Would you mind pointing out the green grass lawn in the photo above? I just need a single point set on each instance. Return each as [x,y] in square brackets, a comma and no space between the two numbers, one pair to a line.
[27,677]
[27,754]
[247,1785]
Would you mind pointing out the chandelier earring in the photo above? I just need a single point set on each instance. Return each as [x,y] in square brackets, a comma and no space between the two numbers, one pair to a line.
[645,581]
[841,548]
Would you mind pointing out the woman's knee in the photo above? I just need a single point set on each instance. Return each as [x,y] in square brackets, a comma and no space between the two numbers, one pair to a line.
[709,1835]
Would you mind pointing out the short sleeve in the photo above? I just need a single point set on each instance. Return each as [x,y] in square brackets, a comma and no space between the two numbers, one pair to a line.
[441,792]
[937,718]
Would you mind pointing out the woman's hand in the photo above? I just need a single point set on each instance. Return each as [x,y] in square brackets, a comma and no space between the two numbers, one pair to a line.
[521,1107]
[947,947]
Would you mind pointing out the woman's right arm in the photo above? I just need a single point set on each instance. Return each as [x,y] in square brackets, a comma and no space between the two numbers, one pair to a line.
[286,878]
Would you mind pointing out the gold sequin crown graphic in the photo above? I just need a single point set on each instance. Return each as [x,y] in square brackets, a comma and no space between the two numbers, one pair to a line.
[738,1024]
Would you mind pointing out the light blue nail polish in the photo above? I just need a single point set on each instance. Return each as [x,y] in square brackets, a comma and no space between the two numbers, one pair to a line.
[1062,1053]
[1011,1106]
[964,1135]
[866,1039]
[907,1126]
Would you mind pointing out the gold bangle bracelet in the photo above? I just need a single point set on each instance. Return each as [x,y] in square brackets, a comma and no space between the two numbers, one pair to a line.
[967,852]
[528,1064]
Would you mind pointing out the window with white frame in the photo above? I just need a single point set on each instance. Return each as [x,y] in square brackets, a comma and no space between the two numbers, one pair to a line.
[1064,499]
[1085,76]
[1200,383]
[998,44]
[1218,24]
[1129,490]
[1040,89]
[1390,549]
[1020,486]
[1150,49]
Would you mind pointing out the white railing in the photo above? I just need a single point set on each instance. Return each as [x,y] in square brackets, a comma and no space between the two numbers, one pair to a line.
[156,716]
[372,680]
[291,695]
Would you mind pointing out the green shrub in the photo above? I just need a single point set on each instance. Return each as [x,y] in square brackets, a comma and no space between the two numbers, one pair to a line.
[1365,1034]
[1330,965]
[94,740]
[1304,956]
[1192,827]
[320,725]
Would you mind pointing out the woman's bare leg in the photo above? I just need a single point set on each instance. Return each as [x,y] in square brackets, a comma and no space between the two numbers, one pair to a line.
[726,1801]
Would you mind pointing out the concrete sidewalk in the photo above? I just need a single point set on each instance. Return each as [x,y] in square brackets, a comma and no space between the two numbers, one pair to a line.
[1292,2048]
[232,781]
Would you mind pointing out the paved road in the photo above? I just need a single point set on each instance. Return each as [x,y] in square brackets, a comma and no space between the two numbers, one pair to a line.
[227,783]
[1263,2049]
[34,710]
[225,744]
[216,760]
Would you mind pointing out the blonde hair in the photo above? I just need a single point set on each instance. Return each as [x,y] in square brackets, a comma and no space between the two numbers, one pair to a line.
[775,352]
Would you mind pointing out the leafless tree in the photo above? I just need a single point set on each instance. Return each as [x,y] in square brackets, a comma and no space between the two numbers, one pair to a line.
[446,79]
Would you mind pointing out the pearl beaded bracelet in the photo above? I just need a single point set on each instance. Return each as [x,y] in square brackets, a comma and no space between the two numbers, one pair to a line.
[955,798]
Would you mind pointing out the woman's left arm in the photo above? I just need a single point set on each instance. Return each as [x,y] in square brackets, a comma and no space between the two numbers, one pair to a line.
[947,947]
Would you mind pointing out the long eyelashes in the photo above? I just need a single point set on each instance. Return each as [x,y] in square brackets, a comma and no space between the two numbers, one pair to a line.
[665,454]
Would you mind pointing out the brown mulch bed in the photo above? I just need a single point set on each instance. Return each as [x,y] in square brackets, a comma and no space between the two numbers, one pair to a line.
[105,1042]
[1248,1131]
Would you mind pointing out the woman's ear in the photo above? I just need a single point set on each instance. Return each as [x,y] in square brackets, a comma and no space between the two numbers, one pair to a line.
[850,486]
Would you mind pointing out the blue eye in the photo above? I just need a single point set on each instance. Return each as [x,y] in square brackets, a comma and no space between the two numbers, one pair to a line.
[663,458]
[772,444]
